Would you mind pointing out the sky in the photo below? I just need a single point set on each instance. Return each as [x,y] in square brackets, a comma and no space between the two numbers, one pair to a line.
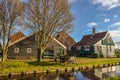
[104,15]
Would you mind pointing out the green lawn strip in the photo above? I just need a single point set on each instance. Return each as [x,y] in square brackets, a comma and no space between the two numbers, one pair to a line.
[30,66]
[114,78]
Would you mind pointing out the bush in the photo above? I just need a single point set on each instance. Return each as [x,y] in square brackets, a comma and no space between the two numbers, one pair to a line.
[101,56]
[117,54]
[95,55]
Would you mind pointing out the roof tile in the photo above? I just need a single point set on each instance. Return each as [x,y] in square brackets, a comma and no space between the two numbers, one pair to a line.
[91,39]
[65,39]
[16,36]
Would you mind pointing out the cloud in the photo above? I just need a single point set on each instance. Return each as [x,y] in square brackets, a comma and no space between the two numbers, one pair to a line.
[107,4]
[92,24]
[106,20]
[115,33]
[117,24]
[72,1]
[115,16]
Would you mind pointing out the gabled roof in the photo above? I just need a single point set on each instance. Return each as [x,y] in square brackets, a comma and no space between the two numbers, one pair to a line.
[65,39]
[16,36]
[22,37]
[91,39]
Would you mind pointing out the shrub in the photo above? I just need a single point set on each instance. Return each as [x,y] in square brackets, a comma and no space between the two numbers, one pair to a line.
[117,54]
[95,55]
[101,56]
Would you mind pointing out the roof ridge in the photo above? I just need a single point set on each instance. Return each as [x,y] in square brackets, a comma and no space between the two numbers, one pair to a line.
[96,33]
[87,40]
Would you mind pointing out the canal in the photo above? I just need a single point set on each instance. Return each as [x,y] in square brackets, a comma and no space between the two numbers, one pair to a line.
[95,74]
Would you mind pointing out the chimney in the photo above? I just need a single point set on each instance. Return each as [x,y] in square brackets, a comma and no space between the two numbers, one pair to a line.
[94,30]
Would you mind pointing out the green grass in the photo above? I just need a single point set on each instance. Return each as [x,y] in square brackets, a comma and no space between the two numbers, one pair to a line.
[114,78]
[29,66]
[117,54]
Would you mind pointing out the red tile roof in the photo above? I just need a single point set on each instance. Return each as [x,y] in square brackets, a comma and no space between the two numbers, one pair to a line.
[16,36]
[65,39]
[91,39]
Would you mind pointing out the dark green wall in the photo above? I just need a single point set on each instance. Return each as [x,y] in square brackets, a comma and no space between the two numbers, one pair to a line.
[83,52]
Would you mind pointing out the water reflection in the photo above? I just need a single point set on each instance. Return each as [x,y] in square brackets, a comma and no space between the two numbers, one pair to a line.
[79,76]
[107,72]
[96,74]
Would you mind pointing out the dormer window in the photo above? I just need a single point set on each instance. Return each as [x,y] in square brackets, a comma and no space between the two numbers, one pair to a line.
[36,38]
[91,37]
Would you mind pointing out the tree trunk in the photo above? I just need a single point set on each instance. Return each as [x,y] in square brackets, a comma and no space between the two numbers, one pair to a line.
[39,56]
[4,55]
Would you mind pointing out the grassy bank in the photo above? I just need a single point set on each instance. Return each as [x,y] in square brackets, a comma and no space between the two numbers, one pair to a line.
[29,66]
[114,78]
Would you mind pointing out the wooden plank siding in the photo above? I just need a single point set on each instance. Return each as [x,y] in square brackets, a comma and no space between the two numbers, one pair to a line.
[30,42]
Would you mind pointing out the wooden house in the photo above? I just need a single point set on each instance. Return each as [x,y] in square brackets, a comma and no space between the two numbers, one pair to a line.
[96,43]
[27,47]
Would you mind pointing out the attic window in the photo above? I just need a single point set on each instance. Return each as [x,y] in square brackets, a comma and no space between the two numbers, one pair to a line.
[36,38]
[91,37]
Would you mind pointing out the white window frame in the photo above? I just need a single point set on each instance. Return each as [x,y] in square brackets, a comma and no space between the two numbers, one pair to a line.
[16,50]
[29,50]
[87,48]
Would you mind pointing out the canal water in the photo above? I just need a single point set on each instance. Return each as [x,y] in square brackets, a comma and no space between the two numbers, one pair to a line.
[96,74]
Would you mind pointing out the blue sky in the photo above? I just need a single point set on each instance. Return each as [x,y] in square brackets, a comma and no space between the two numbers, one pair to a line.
[102,14]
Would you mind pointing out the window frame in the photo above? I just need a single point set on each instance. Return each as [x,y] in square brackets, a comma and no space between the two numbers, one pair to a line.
[16,50]
[29,50]
[87,48]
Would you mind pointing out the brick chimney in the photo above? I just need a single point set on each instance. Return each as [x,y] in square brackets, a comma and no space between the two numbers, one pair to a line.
[94,30]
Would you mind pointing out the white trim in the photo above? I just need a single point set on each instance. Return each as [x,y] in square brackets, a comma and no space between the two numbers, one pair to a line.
[60,43]
[33,34]
[106,35]
[20,39]
[102,38]
[112,38]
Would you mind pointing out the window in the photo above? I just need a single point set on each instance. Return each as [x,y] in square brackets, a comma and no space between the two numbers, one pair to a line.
[87,48]
[36,38]
[99,48]
[16,50]
[29,50]
[78,47]
[69,48]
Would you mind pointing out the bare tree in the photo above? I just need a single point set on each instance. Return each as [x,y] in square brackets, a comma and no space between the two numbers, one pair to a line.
[47,18]
[10,11]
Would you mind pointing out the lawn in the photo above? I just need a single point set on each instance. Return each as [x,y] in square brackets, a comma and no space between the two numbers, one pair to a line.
[114,78]
[16,66]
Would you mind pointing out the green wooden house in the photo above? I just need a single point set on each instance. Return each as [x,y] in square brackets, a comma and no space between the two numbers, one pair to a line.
[96,43]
